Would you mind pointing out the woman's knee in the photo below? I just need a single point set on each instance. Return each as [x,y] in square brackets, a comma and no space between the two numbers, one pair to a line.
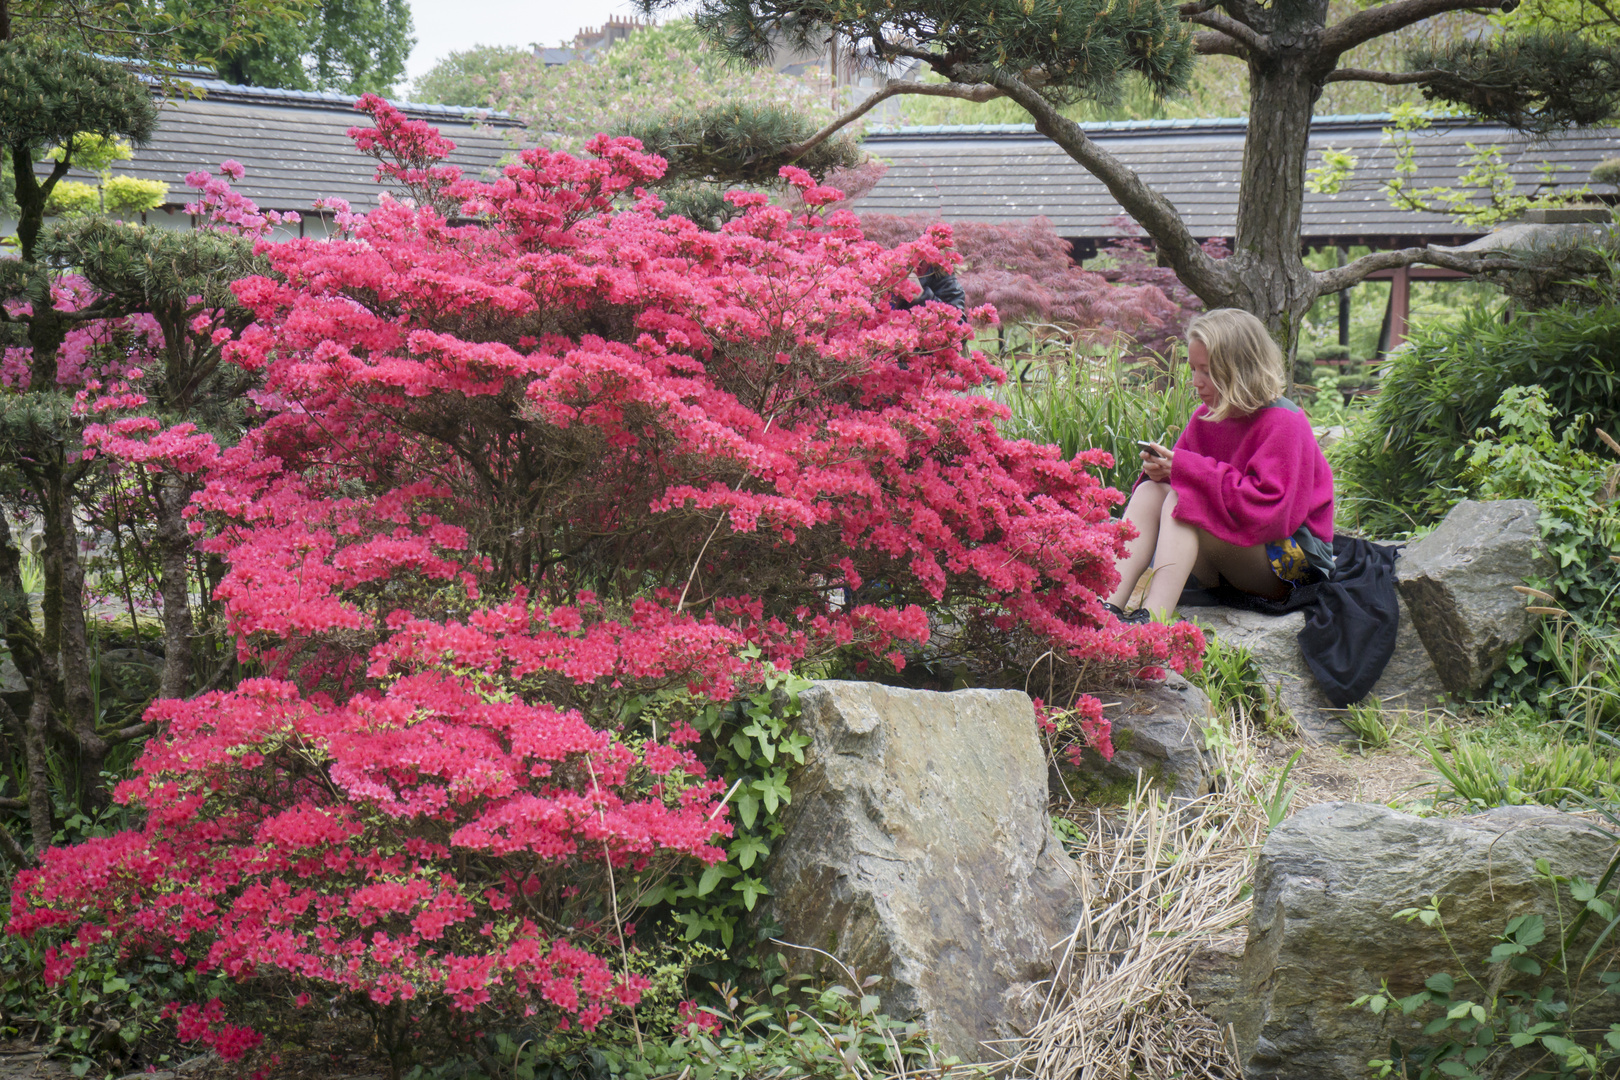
[1167,511]
[1151,492]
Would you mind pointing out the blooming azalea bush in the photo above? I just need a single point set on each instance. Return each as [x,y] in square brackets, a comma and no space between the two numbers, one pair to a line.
[529,455]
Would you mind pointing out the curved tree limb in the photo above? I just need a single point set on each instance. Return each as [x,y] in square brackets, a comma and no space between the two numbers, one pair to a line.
[1215,43]
[1342,277]
[1388,78]
[979,92]
[1374,22]
[1205,276]
[1240,32]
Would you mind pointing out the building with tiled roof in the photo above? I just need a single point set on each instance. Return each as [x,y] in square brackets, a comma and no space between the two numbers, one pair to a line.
[1008,172]
[294,145]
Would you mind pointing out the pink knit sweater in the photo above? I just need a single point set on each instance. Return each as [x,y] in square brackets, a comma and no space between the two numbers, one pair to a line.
[1253,480]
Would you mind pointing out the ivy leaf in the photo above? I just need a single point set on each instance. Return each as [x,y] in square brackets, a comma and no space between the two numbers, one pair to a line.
[746,848]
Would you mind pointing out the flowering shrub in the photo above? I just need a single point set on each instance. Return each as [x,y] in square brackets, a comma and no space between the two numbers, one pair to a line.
[1026,272]
[531,453]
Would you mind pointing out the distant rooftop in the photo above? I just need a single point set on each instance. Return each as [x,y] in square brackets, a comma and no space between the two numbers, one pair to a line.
[294,144]
[218,90]
[1009,172]
[1226,123]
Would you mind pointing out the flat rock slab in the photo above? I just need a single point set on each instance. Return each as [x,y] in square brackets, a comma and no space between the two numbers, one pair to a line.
[918,849]
[1409,682]
[1327,884]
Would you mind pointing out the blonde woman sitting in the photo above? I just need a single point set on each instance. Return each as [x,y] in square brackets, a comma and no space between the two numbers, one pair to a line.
[1245,497]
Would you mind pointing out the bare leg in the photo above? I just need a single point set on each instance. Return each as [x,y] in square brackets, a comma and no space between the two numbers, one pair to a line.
[1145,511]
[1184,550]
[1173,559]
[1245,568]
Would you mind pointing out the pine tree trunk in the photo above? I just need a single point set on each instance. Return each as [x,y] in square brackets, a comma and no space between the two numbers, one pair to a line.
[30,732]
[174,553]
[77,696]
[1266,251]
[67,649]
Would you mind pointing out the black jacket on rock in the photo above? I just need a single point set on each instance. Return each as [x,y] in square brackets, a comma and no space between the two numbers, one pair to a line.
[1350,619]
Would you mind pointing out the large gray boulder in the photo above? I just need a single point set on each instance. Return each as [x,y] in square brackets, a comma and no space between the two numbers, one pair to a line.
[1409,682]
[1458,584]
[1326,885]
[1158,733]
[918,849]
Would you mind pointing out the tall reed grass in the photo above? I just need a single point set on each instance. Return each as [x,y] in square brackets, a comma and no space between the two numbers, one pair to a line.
[1079,401]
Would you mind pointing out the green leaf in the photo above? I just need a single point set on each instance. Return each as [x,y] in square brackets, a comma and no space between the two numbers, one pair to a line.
[1505,950]
[1558,1044]
[1533,930]
[752,888]
[746,848]
[714,875]
[747,808]
[1526,964]
[1441,983]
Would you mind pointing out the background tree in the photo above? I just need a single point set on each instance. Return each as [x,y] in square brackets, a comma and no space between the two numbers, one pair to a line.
[92,312]
[1044,55]
[149,32]
[469,77]
[349,46]
[717,122]
[1027,271]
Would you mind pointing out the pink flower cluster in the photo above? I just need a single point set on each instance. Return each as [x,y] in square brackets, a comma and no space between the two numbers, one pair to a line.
[533,456]
[219,206]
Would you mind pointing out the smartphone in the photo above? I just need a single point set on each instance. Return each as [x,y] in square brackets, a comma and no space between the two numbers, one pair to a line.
[1158,451]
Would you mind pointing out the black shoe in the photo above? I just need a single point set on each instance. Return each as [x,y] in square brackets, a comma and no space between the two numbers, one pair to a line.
[1134,618]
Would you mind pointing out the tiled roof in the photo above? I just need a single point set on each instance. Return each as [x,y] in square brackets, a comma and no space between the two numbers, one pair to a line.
[294,144]
[1007,172]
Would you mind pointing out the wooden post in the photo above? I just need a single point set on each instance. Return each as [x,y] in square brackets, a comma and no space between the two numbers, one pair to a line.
[1400,306]
[1344,309]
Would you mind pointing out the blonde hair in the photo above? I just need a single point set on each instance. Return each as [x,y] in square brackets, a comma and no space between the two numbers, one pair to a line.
[1244,363]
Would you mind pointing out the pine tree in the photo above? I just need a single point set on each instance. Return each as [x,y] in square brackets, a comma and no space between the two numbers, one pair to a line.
[1045,54]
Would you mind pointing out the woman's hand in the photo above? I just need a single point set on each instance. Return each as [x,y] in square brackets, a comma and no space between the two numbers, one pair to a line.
[1156,462]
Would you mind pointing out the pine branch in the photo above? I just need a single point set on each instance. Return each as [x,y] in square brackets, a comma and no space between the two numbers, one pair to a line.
[1387,78]
[1375,22]
[980,92]
[1240,32]
[1215,43]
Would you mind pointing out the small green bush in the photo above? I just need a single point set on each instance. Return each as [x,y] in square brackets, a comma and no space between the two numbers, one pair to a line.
[1607,173]
[127,196]
[1479,778]
[72,197]
[1399,467]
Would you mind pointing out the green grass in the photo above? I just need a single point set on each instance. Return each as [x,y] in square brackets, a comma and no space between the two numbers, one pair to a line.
[1083,402]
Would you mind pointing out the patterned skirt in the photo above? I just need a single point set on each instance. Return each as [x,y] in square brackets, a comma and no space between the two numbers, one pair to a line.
[1288,562]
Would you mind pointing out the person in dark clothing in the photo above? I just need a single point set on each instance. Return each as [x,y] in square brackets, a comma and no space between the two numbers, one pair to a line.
[938,285]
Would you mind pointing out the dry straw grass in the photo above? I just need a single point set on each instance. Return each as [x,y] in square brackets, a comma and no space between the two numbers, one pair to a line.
[1157,882]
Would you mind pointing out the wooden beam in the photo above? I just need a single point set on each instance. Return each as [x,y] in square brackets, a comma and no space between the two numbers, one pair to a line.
[1400,305]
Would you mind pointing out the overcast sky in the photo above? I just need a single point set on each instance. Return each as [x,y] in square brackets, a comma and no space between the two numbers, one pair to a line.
[446,26]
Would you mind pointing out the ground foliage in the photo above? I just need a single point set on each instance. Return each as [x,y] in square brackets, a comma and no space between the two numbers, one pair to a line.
[1403,463]
[510,477]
